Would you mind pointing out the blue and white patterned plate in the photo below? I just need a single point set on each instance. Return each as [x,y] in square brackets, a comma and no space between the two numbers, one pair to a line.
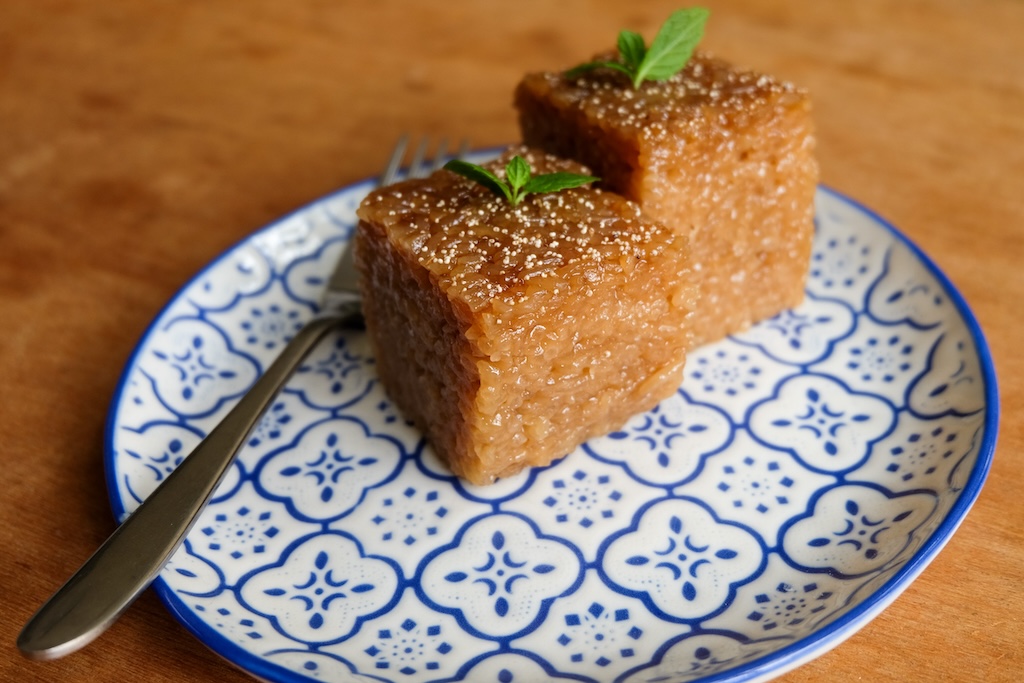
[802,476]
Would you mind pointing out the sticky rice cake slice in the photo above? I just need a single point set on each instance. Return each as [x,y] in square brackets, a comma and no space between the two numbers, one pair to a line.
[510,335]
[718,153]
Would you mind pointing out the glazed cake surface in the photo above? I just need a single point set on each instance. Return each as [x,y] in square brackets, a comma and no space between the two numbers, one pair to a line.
[510,335]
[720,154]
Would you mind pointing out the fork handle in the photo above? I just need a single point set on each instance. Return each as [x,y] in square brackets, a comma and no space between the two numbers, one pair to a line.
[132,557]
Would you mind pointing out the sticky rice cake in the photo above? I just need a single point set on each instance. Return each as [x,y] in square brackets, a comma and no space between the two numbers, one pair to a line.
[510,335]
[721,154]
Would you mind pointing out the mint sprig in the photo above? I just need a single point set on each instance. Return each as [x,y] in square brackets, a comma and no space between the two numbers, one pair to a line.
[521,181]
[669,52]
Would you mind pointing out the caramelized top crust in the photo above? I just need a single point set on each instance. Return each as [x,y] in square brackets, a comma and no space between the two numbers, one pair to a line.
[486,252]
[706,87]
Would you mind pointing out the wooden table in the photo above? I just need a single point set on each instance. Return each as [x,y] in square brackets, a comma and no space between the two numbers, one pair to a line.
[139,140]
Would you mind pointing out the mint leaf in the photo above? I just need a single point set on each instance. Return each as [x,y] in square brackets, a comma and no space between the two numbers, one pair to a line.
[578,71]
[480,175]
[673,45]
[669,51]
[517,172]
[553,182]
[520,182]
[631,48]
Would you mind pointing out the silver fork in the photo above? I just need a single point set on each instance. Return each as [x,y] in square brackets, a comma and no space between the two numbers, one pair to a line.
[342,286]
[132,557]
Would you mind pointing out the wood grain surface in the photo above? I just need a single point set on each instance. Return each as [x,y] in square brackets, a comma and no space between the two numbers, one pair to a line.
[139,140]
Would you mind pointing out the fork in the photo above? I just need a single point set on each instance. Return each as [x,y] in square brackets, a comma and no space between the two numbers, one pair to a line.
[132,557]
[343,287]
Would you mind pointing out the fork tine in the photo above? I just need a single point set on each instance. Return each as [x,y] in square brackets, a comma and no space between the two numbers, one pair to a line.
[417,169]
[391,170]
[439,155]
[419,166]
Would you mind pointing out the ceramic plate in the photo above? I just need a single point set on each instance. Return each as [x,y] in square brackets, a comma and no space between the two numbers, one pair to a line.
[802,476]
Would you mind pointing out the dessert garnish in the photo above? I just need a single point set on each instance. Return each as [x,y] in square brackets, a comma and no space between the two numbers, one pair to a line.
[520,180]
[667,55]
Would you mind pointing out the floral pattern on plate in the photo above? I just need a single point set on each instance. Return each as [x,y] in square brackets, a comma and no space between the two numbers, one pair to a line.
[749,521]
